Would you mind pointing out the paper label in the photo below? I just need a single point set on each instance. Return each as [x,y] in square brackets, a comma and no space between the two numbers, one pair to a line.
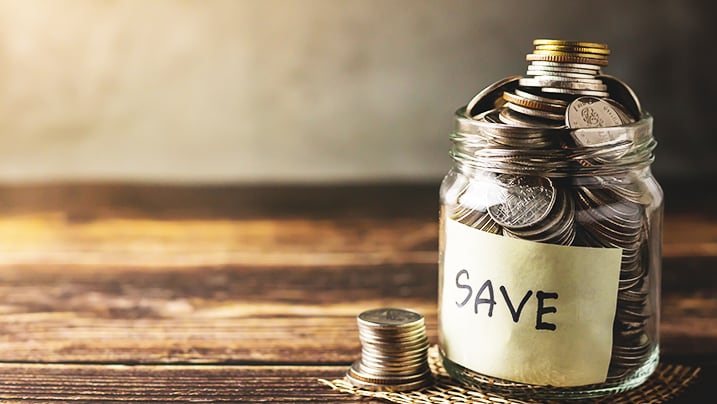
[525,311]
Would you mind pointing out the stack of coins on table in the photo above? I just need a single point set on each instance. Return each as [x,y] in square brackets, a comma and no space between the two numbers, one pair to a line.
[564,88]
[394,353]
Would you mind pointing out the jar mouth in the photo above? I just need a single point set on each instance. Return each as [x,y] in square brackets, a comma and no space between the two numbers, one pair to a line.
[468,124]
[551,152]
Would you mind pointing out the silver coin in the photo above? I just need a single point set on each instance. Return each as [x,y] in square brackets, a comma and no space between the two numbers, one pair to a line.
[393,356]
[562,69]
[486,223]
[590,137]
[389,317]
[535,112]
[382,369]
[574,91]
[405,345]
[622,112]
[394,333]
[558,222]
[584,66]
[482,116]
[557,73]
[390,384]
[563,83]
[367,373]
[544,100]
[510,117]
[396,340]
[389,361]
[393,349]
[485,99]
[488,116]
[530,103]
[527,201]
[591,112]
[623,94]
[389,347]
[467,216]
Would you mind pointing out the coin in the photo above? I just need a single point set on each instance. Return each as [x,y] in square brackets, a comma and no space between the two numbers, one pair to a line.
[574,49]
[485,98]
[540,99]
[558,73]
[561,42]
[389,317]
[570,54]
[562,65]
[541,103]
[591,112]
[623,94]
[510,117]
[621,111]
[539,113]
[565,58]
[394,351]
[575,92]
[396,384]
[527,201]
[558,82]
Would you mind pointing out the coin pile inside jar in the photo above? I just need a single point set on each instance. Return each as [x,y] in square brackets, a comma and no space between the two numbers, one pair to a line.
[394,352]
[564,88]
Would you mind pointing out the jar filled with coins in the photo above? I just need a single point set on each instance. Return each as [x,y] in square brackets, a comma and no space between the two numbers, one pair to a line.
[550,235]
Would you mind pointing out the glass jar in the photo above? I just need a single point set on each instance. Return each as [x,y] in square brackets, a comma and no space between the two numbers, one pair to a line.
[550,249]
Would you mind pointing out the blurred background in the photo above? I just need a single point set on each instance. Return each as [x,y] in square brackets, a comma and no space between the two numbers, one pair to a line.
[313,91]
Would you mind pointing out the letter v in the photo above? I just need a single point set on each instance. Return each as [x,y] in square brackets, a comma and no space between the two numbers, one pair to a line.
[513,312]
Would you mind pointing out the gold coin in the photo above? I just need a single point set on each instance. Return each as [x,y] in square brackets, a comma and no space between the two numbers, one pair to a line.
[577,49]
[524,102]
[570,58]
[564,53]
[560,42]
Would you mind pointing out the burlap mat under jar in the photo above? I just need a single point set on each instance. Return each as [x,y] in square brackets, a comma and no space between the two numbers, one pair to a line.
[667,381]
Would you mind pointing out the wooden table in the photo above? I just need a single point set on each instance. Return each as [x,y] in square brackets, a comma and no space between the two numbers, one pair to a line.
[248,293]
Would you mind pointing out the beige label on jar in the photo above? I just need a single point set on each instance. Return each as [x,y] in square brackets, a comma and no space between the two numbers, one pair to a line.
[525,311]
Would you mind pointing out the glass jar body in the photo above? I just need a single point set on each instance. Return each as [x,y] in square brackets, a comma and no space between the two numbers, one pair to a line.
[577,214]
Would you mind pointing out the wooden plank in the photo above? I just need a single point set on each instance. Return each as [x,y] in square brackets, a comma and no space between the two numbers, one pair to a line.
[88,201]
[239,275]
[92,383]
[290,315]
[41,239]
[275,384]
[269,315]
[50,239]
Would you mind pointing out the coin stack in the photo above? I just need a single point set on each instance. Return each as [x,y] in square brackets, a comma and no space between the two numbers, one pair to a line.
[564,88]
[611,220]
[561,72]
[394,353]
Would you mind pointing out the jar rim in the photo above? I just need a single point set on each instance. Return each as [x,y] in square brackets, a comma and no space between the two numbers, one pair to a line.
[468,122]
[552,152]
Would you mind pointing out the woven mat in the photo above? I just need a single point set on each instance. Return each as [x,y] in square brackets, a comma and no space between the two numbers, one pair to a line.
[667,382]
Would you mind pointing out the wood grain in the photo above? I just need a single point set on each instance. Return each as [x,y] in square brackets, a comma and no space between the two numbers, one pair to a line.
[265,282]
[72,383]
[275,314]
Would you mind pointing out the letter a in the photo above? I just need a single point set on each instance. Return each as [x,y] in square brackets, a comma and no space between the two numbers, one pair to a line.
[491,300]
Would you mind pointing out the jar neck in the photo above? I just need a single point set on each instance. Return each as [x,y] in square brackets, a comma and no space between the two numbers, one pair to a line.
[555,153]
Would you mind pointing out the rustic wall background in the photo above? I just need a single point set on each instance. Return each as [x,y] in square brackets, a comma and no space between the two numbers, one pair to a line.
[318,90]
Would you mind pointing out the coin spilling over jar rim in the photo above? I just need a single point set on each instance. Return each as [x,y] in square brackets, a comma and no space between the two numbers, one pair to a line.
[550,232]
